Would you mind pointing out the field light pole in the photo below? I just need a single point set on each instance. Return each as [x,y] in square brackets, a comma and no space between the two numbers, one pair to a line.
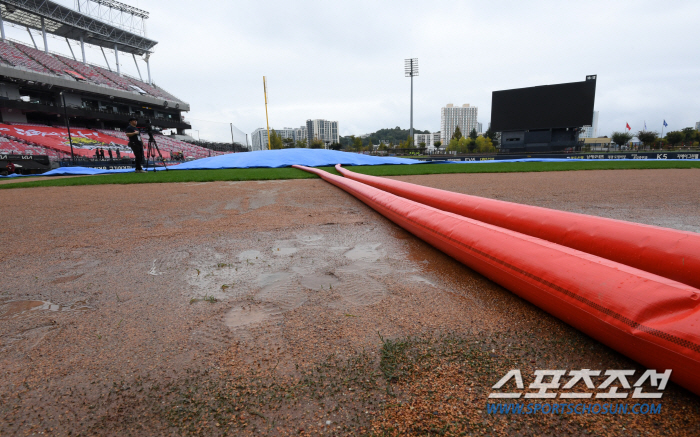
[269,144]
[70,139]
[411,70]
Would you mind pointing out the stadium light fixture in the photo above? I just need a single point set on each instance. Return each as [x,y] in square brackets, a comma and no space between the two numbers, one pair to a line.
[411,70]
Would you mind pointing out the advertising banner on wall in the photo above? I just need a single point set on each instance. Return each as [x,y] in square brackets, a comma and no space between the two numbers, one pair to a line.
[85,141]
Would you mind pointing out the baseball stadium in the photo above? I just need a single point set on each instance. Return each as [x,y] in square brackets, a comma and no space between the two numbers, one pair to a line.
[541,290]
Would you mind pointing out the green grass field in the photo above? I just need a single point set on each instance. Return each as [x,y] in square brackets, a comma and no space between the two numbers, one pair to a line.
[257,174]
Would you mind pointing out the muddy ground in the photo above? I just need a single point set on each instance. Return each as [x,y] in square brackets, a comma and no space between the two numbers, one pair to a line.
[289,308]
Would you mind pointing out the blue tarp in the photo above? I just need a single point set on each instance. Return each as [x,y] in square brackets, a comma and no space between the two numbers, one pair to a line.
[77,171]
[552,160]
[288,157]
[307,157]
[259,159]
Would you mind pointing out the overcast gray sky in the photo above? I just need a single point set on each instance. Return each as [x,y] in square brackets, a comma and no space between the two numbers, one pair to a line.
[343,60]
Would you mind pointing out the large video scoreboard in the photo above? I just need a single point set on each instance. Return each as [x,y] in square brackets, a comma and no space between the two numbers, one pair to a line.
[566,105]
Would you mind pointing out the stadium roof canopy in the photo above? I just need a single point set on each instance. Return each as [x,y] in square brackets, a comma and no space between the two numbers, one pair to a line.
[66,22]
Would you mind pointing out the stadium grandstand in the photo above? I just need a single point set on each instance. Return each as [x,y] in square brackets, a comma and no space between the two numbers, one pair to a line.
[220,147]
[41,89]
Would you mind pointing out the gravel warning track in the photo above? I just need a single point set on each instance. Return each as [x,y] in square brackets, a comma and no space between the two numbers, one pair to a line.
[130,309]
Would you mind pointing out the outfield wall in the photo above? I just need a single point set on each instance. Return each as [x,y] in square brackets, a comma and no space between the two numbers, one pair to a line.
[583,156]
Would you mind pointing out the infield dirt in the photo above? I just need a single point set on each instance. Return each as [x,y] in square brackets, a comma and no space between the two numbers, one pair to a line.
[287,308]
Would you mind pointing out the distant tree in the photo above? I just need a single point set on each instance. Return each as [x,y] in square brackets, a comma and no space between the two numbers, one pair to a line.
[382,147]
[462,145]
[316,143]
[437,144]
[648,138]
[493,136]
[395,134]
[621,138]
[457,134]
[473,134]
[484,145]
[453,145]
[409,142]
[347,142]
[690,136]
[675,138]
[335,146]
[301,144]
[275,140]
[422,144]
[356,144]
[467,145]
[288,142]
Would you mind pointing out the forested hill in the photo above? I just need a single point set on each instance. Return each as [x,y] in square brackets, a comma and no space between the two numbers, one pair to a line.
[395,135]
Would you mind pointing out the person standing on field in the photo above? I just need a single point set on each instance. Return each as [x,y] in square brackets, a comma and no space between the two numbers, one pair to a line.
[135,143]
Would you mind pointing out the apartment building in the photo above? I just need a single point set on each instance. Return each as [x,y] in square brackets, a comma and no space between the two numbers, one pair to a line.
[452,116]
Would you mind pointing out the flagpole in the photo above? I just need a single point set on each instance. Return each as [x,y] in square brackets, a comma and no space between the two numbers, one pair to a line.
[629,129]
[662,135]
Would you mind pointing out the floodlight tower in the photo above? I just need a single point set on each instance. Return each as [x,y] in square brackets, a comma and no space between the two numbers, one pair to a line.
[411,69]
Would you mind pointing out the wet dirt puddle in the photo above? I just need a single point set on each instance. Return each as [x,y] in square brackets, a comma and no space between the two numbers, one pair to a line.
[64,279]
[18,307]
[282,251]
[280,292]
[320,281]
[254,313]
[354,273]
[366,252]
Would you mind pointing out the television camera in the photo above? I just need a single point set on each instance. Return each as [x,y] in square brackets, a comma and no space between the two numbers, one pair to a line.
[152,145]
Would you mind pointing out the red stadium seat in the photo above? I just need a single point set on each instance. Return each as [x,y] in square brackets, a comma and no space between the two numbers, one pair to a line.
[10,54]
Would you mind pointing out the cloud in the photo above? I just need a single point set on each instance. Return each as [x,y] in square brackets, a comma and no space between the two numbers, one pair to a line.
[343,60]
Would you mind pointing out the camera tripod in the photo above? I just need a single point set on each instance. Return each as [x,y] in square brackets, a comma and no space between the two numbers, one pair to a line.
[151,153]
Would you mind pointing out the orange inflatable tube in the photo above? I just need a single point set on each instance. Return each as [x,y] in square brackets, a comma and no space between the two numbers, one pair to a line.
[651,319]
[665,252]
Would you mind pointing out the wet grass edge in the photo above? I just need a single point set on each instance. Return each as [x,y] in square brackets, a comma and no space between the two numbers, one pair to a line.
[258,174]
